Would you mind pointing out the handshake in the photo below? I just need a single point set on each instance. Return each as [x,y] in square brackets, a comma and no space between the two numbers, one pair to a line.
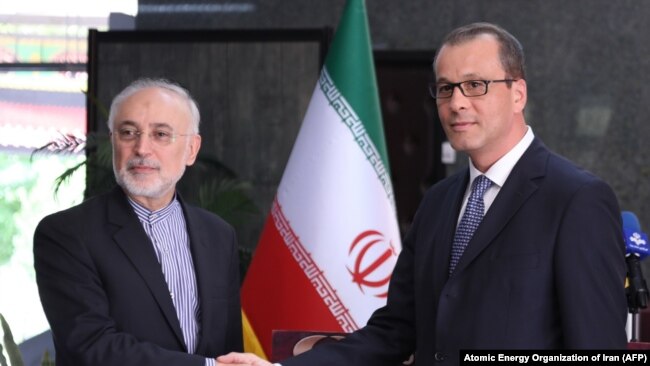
[241,359]
[286,344]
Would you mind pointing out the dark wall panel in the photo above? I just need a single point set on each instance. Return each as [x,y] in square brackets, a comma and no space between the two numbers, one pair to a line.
[252,91]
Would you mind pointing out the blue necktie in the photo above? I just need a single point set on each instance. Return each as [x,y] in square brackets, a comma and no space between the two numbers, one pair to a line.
[472,217]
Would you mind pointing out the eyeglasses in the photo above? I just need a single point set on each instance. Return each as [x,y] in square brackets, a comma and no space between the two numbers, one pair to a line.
[469,88]
[160,137]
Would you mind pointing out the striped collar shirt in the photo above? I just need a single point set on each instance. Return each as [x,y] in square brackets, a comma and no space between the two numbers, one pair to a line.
[168,232]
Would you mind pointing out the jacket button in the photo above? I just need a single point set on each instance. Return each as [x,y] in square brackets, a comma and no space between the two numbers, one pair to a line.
[439,356]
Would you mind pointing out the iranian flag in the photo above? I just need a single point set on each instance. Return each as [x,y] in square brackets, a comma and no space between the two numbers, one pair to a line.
[331,240]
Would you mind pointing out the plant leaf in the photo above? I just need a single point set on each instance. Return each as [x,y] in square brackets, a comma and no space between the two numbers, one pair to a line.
[65,176]
[15,358]
[65,144]
[3,360]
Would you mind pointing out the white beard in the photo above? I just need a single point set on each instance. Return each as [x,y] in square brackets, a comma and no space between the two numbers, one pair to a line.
[135,186]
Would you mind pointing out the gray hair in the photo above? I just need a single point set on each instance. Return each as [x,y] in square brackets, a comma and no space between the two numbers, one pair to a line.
[165,84]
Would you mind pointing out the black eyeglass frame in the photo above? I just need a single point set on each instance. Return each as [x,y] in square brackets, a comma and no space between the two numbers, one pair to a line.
[433,87]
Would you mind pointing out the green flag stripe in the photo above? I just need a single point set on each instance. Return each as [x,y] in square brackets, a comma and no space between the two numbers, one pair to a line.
[350,64]
[358,129]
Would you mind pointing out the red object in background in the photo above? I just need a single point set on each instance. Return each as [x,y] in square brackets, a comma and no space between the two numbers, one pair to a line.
[638,345]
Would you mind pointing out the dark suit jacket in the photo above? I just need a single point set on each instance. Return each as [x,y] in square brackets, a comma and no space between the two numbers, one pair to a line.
[105,296]
[544,270]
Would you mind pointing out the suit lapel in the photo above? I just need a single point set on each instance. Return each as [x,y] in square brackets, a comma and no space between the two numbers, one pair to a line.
[521,183]
[452,203]
[136,245]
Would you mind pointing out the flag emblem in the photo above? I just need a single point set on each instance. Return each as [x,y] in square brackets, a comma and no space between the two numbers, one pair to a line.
[373,258]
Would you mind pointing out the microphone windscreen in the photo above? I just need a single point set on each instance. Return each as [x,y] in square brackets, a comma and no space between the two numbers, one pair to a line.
[636,241]
[630,221]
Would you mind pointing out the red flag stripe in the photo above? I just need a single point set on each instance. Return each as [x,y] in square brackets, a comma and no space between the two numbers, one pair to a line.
[312,271]
[276,293]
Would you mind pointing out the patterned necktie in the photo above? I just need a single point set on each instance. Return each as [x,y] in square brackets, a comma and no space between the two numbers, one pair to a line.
[472,217]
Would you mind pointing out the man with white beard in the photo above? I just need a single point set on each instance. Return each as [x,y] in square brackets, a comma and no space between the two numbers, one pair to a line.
[137,276]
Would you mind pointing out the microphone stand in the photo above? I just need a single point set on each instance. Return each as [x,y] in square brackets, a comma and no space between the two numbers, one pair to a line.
[637,293]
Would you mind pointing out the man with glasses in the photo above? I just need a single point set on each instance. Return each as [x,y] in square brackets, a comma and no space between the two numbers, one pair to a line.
[521,250]
[137,276]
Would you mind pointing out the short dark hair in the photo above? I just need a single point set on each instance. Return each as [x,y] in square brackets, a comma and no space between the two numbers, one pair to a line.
[511,52]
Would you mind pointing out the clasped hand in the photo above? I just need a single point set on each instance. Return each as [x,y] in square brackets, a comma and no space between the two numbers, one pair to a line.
[241,359]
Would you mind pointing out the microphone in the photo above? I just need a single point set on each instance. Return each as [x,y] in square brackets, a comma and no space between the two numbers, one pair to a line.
[636,249]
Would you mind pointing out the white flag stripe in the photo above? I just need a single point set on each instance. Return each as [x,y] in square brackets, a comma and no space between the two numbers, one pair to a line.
[349,118]
[330,193]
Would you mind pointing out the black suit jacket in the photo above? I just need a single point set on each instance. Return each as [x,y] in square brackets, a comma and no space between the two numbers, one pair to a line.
[105,296]
[544,270]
